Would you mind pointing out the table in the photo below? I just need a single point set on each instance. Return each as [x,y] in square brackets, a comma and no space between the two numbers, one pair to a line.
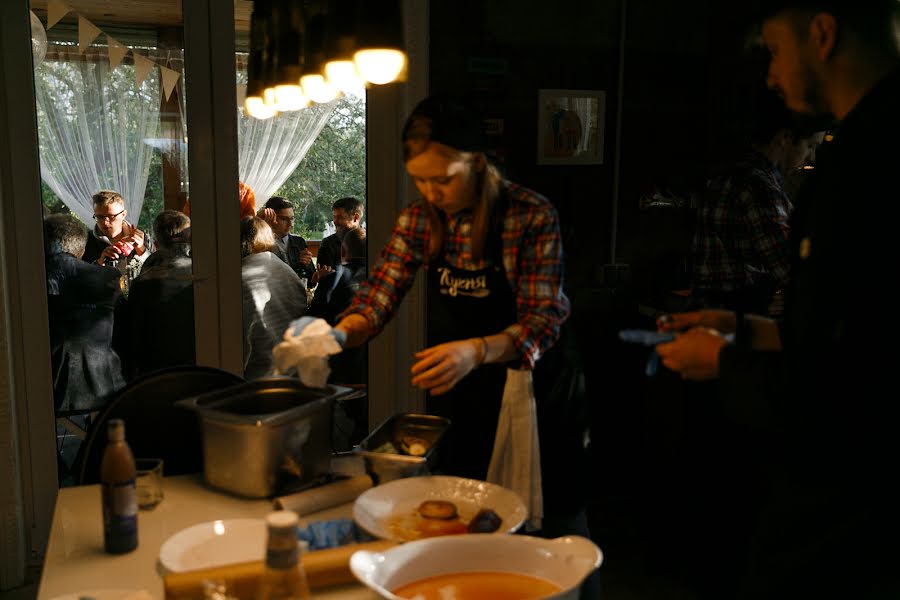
[76,561]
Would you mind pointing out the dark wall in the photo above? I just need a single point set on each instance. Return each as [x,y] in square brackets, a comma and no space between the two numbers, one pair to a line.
[677,57]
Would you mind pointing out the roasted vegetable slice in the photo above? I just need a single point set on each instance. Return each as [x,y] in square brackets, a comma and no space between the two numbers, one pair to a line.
[486,521]
[437,509]
[414,446]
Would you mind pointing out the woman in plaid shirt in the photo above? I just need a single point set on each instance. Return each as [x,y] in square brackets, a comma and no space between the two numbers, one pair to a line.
[492,253]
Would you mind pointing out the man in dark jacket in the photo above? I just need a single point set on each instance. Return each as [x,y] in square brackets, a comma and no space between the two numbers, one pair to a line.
[347,215]
[819,389]
[278,212]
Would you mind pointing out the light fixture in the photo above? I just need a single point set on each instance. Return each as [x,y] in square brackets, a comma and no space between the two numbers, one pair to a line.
[314,50]
[340,45]
[254,102]
[380,57]
[313,81]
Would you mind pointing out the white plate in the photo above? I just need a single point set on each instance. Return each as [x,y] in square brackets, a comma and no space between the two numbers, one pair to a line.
[110,594]
[214,544]
[387,511]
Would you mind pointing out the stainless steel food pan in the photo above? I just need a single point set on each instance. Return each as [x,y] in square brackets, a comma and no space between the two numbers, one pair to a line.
[386,466]
[263,434]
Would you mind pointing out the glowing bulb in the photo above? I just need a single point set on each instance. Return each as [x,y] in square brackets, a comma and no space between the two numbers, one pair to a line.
[269,96]
[256,107]
[342,75]
[317,89]
[380,66]
[290,97]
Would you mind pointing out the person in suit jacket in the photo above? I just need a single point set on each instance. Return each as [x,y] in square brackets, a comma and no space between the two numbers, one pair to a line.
[278,212]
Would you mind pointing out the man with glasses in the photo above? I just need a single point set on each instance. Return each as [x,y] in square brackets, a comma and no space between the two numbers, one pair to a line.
[347,214]
[278,212]
[114,237]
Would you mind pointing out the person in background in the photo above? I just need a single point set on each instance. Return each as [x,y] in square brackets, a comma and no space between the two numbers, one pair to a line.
[160,307]
[815,388]
[272,294]
[112,228]
[740,245]
[81,296]
[334,294]
[337,288]
[278,212]
[347,215]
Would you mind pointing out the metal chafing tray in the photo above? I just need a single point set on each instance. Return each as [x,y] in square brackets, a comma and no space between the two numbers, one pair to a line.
[386,466]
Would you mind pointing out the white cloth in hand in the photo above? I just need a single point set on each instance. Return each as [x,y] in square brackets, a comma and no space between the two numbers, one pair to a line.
[307,352]
[516,459]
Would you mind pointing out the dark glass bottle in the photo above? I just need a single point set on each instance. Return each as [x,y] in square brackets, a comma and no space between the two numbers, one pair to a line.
[284,578]
[120,508]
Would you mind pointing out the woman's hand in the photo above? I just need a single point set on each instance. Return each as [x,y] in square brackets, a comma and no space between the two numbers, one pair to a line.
[720,320]
[694,354]
[440,367]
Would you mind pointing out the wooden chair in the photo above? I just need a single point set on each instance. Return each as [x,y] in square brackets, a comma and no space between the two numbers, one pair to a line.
[154,427]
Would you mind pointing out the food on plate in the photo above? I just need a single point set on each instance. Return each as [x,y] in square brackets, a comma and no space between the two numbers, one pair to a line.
[478,586]
[438,509]
[485,521]
[433,527]
[413,446]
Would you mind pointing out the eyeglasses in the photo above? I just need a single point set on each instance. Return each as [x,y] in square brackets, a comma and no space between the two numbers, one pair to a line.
[107,218]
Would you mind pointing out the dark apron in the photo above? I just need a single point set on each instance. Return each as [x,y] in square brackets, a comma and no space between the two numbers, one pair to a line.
[464,304]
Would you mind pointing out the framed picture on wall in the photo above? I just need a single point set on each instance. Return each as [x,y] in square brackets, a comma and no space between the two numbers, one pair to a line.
[570,127]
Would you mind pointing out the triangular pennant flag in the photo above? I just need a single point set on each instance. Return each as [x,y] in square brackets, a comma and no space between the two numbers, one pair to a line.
[142,66]
[169,79]
[56,10]
[87,33]
[117,52]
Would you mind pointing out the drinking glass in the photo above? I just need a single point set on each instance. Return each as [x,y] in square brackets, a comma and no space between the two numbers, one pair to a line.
[149,482]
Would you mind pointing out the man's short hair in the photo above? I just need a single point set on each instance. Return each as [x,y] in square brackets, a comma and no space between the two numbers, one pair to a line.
[352,206]
[873,20]
[171,227]
[107,197]
[64,233]
[278,203]
[256,236]
[354,243]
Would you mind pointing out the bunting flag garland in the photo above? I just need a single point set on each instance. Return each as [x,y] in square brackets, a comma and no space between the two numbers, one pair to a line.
[87,33]
[56,10]
[117,52]
[169,79]
[142,66]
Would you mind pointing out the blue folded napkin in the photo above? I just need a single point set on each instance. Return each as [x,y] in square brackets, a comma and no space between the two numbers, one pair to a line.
[331,534]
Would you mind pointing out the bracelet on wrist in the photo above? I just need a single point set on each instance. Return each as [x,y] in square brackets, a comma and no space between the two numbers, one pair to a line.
[484,351]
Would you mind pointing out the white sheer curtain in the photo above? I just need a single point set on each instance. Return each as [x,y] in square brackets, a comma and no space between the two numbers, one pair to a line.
[92,123]
[269,150]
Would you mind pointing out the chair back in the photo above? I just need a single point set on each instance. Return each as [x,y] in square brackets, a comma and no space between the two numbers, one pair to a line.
[154,426]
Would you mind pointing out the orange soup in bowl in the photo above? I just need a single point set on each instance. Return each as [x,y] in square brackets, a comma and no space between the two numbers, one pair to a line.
[478,586]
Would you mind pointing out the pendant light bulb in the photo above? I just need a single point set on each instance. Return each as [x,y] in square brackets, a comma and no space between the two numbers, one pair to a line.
[317,89]
[257,108]
[290,97]
[268,96]
[380,65]
[343,75]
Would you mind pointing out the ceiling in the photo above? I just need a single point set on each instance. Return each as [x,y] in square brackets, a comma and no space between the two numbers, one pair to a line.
[140,13]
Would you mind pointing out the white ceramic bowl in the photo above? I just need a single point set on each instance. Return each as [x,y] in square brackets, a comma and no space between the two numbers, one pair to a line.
[384,509]
[565,561]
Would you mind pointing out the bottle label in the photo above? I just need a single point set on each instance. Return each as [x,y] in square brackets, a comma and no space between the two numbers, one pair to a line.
[120,510]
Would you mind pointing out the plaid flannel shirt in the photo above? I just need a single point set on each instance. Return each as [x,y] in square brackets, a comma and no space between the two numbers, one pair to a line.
[742,228]
[532,257]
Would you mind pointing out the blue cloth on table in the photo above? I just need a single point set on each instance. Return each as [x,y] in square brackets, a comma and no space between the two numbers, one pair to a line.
[331,534]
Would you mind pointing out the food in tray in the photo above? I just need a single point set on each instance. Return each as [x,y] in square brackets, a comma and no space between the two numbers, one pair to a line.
[412,446]
[438,509]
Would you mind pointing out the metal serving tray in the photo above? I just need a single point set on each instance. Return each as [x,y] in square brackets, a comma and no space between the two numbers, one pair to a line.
[386,466]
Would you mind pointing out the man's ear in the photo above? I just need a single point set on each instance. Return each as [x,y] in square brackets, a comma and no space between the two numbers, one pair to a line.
[823,32]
